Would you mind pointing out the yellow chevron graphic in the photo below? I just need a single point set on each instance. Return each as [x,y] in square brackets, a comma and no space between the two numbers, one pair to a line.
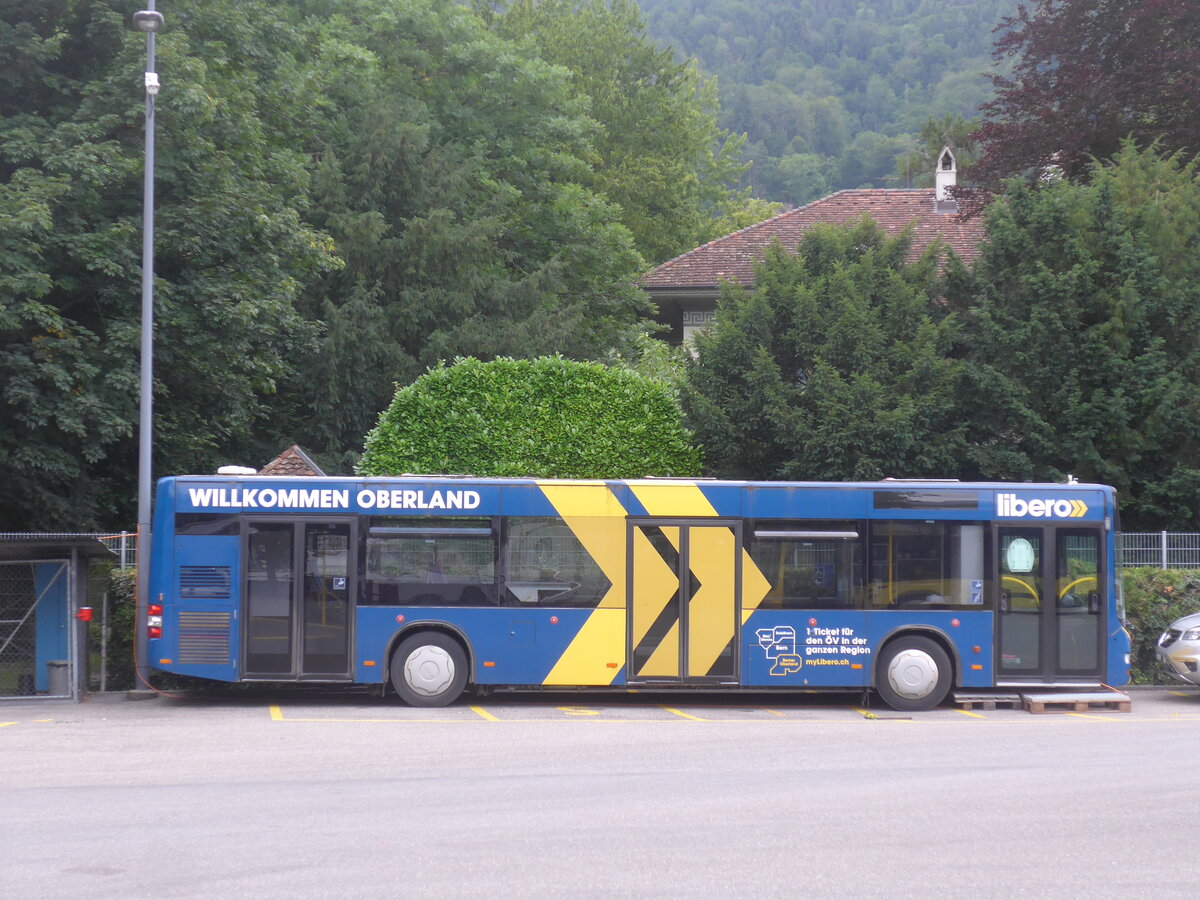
[672,499]
[597,518]
[656,584]
[755,587]
[686,499]
[1078,509]
[710,612]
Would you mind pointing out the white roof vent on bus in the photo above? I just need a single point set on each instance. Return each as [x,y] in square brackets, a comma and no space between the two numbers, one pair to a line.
[236,470]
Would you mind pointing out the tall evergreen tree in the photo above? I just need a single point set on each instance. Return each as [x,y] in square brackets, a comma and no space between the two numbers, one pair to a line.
[835,366]
[1080,331]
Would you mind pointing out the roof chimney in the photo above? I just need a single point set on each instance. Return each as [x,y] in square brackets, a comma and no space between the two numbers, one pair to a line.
[944,178]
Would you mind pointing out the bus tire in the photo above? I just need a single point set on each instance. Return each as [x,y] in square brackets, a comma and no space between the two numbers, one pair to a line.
[913,673]
[429,669]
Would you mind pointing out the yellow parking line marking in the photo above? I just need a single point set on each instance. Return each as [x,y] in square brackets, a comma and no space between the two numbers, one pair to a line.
[342,721]
[484,713]
[601,715]
[682,714]
[3,724]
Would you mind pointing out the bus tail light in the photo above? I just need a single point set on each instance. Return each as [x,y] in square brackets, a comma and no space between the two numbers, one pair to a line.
[154,618]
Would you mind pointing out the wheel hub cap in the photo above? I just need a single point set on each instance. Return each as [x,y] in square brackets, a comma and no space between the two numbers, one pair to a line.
[429,671]
[912,674]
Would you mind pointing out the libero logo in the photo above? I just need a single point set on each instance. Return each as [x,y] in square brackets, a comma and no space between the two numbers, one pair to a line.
[1010,506]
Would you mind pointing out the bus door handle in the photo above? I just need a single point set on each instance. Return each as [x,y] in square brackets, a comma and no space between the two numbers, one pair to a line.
[1093,602]
[1005,596]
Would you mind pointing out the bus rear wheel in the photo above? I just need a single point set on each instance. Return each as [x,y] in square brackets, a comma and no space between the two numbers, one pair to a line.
[429,669]
[913,673]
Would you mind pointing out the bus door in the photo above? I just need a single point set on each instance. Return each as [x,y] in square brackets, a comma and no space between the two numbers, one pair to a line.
[1050,610]
[683,588]
[297,613]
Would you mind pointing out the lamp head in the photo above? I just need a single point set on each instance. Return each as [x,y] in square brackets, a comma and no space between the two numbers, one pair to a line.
[148,20]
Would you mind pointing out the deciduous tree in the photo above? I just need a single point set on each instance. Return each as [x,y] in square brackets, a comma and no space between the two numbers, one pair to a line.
[1085,75]
[659,154]
[452,172]
[232,251]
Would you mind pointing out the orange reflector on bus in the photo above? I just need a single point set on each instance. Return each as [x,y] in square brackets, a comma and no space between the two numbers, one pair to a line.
[164,662]
[856,665]
[488,664]
[368,662]
[613,665]
[976,667]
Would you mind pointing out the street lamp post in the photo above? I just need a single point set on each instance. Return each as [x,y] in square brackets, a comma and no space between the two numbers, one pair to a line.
[150,22]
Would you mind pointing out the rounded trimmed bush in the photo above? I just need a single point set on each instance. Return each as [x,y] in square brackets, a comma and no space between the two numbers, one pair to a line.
[546,418]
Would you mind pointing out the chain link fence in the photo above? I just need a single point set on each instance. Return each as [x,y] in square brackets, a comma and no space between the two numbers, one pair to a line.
[35,638]
[42,643]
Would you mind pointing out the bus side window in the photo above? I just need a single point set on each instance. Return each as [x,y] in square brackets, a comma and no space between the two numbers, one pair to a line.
[415,562]
[927,564]
[546,565]
[809,565]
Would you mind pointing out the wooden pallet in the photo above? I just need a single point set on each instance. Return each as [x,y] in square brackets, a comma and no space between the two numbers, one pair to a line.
[987,701]
[1104,700]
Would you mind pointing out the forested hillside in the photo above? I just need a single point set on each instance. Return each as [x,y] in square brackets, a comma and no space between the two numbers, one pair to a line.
[833,93]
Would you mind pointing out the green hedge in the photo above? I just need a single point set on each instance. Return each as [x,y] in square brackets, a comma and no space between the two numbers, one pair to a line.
[546,418]
[1154,598]
[122,584]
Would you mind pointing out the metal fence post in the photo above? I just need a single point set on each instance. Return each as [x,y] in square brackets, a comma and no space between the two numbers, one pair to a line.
[1164,550]
[104,642]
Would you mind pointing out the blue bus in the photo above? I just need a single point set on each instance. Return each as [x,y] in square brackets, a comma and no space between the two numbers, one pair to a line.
[435,584]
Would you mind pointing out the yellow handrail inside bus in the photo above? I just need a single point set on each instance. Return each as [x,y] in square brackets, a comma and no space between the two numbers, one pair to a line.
[1037,600]
[1063,592]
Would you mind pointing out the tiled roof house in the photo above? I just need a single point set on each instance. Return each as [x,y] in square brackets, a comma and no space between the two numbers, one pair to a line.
[685,288]
[292,461]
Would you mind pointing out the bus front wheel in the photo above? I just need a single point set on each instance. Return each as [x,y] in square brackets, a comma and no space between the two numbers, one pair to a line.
[913,673]
[429,669]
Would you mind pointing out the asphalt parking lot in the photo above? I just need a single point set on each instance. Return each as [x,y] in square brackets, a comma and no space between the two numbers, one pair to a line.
[1156,704]
[318,793]
[347,706]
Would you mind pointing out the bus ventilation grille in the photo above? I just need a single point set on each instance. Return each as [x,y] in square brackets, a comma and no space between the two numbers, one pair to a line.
[204,638]
[205,582]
